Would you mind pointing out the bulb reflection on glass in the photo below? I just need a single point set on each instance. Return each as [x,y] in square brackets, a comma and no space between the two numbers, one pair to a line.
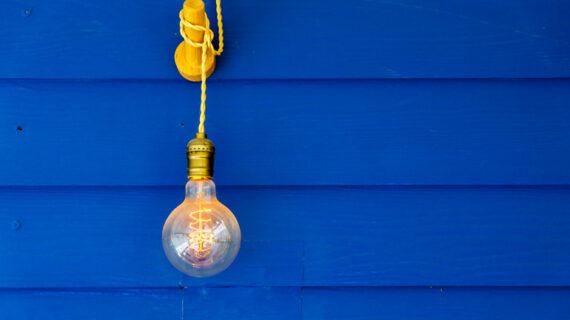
[201,237]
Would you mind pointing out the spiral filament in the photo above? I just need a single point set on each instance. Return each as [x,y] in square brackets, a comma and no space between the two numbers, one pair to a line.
[201,238]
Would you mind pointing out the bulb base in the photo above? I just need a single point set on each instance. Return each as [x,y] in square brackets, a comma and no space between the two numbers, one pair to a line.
[200,153]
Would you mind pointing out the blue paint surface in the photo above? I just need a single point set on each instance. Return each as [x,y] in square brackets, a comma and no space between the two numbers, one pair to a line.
[291,39]
[385,160]
[410,132]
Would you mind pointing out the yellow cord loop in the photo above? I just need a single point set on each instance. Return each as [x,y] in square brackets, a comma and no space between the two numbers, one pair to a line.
[206,45]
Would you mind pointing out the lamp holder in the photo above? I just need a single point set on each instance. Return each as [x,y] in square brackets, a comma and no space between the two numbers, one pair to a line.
[200,152]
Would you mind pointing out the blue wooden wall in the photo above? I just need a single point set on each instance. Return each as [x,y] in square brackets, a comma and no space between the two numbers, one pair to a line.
[385,159]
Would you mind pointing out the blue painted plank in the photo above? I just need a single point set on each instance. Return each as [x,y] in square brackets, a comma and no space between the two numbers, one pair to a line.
[291,39]
[288,132]
[265,303]
[285,303]
[106,237]
[87,304]
[294,236]
[435,303]
[199,303]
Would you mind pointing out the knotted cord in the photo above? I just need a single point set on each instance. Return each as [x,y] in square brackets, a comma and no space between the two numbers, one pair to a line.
[206,45]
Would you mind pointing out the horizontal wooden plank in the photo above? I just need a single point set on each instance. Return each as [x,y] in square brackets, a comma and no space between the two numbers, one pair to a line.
[291,39]
[112,237]
[64,304]
[107,263]
[294,236]
[242,303]
[435,303]
[285,303]
[288,132]
[199,303]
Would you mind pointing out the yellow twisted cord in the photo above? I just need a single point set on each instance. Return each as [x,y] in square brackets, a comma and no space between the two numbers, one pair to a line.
[206,45]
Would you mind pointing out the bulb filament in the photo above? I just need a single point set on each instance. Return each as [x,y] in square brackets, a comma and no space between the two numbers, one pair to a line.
[201,239]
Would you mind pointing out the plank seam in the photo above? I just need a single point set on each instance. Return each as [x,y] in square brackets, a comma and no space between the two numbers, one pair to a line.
[114,289]
[308,186]
[214,80]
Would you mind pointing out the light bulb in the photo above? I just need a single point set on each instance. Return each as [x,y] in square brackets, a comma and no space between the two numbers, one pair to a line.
[201,237]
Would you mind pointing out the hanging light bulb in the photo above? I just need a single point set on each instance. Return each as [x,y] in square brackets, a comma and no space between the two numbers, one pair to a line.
[201,237]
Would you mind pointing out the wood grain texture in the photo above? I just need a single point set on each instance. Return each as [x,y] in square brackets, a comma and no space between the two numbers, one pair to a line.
[435,303]
[294,236]
[287,303]
[167,303]
[65,304]
[243,303]
[288,132]
[184,303]
[291,39]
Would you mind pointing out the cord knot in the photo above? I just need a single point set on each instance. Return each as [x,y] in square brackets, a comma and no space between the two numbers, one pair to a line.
[208,33]
[206,46]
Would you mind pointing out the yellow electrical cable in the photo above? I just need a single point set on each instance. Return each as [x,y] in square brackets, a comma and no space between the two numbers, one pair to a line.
[206,45]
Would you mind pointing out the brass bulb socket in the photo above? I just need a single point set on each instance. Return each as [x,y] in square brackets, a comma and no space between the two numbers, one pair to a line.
[200,153]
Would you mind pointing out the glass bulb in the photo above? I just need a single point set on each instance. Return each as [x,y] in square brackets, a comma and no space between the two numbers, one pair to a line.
[201,237]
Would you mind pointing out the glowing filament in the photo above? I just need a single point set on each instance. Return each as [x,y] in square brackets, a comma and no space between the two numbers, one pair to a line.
[201,239]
